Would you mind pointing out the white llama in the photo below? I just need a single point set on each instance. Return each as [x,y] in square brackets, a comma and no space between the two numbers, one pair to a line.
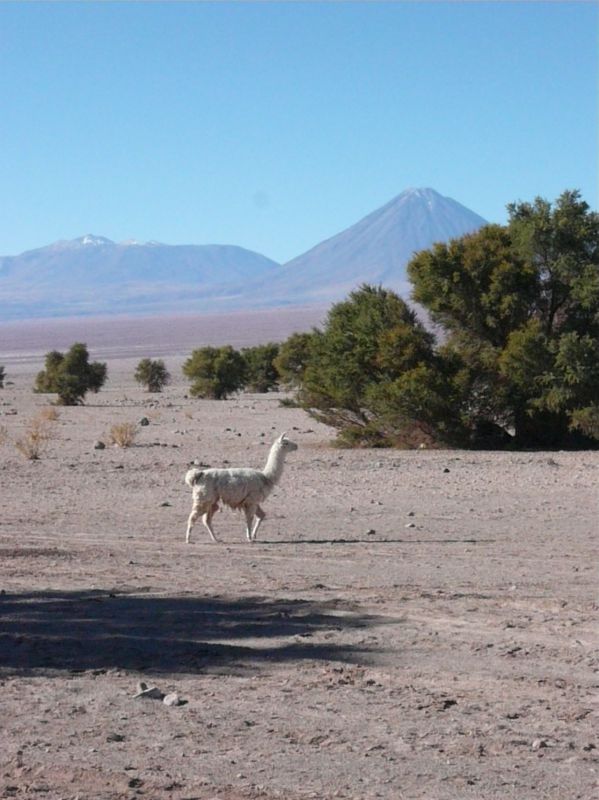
[237,488]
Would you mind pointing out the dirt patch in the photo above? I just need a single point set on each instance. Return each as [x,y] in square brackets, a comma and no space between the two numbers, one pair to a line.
[398,630]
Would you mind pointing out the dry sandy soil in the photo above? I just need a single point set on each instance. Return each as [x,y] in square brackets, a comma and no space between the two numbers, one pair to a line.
[408,625]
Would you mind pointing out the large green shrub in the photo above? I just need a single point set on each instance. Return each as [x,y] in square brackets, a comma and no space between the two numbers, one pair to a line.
[371,370]
[215,372]
[71,375]
[520,308]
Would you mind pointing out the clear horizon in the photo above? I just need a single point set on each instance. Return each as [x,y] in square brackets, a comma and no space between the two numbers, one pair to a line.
[273,126]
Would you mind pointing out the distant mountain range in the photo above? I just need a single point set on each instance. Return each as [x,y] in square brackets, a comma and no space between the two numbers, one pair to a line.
[92,275]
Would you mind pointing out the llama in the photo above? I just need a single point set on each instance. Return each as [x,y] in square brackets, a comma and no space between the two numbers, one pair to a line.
[239,488]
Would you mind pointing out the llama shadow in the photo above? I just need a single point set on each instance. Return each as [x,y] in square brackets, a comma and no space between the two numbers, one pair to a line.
[76,631]
[372,541]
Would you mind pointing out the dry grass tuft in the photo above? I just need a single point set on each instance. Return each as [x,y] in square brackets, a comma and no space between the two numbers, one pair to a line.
[3,435]
[37,434]
[50,414]
[123,434]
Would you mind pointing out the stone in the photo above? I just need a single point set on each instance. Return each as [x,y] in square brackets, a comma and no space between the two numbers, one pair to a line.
[172,699]
[151,693]
[144,421]
[99,445]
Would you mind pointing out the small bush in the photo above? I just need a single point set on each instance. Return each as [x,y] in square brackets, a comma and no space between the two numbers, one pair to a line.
[123,434]
[3,435]
[34,441]
[49,414]
[2,375]
[152,374]
[71,375]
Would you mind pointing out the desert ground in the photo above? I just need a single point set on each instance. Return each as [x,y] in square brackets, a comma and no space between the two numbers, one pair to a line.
[408,625]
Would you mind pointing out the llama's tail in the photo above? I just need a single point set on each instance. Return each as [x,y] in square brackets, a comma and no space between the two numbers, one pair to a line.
[193,476]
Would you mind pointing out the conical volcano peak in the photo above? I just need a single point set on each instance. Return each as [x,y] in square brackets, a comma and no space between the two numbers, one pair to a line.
[420,197]
[425,193]
[377,248]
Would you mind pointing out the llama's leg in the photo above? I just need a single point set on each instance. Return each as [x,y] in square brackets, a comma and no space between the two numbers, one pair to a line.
[207,519]
[249,512]
[259,514]
[195,512]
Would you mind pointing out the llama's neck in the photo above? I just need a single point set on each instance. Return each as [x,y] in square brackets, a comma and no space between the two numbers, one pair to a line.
[274,464]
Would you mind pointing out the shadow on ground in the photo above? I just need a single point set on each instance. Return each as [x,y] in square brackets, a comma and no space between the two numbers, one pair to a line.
[86,630]
[373,541]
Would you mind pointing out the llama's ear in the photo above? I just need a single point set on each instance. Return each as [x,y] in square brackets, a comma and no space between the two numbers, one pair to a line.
[283,436]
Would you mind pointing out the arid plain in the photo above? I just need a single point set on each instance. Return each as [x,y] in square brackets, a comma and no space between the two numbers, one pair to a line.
[408,625]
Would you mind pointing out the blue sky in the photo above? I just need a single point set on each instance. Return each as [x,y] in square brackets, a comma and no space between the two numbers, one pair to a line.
[275,125]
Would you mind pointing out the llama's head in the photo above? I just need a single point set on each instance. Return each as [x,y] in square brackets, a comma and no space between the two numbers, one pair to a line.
[286,444]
